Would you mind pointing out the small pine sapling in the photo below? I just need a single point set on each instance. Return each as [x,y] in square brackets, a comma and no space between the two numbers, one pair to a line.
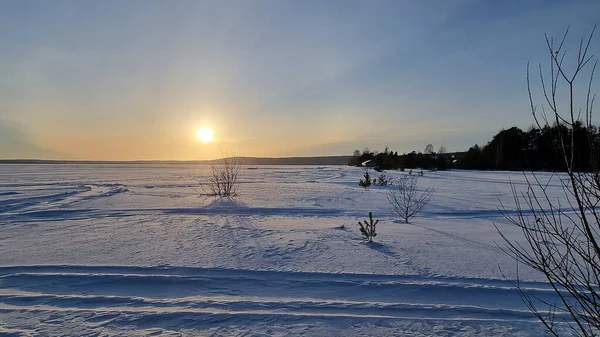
[365,182]
[368,229]
[382,180]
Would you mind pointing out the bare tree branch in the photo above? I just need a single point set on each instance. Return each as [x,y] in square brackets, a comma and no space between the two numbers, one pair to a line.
[561,241]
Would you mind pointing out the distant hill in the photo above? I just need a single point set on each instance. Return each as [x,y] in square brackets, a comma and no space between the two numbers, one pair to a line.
[327,160]
[331,160]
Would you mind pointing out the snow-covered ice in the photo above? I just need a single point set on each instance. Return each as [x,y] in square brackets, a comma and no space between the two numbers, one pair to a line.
[139,250]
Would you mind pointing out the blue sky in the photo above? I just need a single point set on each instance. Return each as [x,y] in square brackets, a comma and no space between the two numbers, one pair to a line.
[126,80]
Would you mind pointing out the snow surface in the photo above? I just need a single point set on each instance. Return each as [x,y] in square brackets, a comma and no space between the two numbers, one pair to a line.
[139,250]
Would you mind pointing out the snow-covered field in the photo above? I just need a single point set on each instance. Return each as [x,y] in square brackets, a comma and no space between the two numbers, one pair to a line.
[103,250]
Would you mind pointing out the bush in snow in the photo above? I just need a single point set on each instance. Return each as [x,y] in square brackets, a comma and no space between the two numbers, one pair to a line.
[365,182]
[222,179]
[406,200]
[382,180]
[368,229]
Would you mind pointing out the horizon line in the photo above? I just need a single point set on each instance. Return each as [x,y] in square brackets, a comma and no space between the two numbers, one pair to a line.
[150,161]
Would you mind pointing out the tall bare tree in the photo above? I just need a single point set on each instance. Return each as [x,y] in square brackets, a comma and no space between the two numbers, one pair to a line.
[562,238]
[406,199]
[428,149]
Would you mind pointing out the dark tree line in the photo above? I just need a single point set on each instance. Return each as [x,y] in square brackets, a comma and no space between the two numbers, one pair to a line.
[534,149]
[510,149]
[391,160]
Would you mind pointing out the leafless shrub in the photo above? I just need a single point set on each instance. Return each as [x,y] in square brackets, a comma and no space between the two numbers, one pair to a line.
[406,200]
[561,240]
[223,176]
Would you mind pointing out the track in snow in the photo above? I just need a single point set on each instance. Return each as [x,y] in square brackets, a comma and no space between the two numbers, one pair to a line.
[186,296]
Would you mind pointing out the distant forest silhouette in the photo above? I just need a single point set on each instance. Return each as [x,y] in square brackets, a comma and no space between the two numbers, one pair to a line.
[510,149]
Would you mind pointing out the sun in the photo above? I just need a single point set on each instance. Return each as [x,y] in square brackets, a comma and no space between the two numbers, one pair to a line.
[205,134]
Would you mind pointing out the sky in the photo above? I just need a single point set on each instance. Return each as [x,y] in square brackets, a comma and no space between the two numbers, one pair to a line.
[135,79]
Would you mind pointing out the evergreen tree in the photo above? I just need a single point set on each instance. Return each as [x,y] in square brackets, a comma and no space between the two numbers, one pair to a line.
[365,182]
[368,230]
